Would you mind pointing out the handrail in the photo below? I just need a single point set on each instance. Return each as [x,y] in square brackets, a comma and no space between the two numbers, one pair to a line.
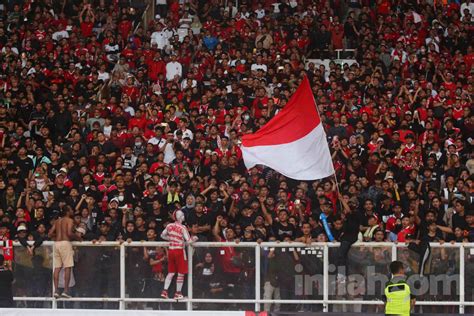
[338,52]
[326,300]
[200,244]
[228,301]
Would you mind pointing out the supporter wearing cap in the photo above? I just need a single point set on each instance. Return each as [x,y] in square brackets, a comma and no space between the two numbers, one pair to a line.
[105,232]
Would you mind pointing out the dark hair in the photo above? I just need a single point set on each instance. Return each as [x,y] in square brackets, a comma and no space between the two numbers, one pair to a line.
[396,267]
[2,260]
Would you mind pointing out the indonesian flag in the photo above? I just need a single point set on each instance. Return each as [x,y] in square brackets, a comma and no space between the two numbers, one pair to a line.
[293,142]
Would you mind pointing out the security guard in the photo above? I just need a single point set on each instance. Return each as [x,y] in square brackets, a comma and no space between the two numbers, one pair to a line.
[397,295]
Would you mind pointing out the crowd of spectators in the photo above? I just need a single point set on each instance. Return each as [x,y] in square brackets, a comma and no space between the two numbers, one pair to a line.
[125,123]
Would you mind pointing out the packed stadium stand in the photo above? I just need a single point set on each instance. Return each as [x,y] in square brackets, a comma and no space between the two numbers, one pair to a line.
[119,113]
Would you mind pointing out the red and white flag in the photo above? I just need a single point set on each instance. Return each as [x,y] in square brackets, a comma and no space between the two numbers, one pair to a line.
[293,142]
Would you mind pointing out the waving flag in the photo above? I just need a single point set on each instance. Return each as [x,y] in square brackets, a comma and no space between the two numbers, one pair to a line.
[293,142]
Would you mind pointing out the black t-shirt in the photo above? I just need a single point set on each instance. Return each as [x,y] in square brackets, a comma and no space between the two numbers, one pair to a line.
[25,166]
[281,231]
[215,209]
[194,219]
[460,221]
[147,202]
[351,227]
[329,219]
[423,228]
[6,279]
[59,193]
[245,221]
[160,218]
[438,235]
[363,218]
[470,234]
[139,235]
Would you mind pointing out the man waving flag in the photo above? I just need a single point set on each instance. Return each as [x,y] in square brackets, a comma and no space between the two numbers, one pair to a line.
[293,142]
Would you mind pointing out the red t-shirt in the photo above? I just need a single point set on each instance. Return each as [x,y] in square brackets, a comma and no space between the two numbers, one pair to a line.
[86,28]
[225,258]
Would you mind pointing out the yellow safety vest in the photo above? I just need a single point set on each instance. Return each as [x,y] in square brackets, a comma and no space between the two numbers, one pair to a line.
[398,299]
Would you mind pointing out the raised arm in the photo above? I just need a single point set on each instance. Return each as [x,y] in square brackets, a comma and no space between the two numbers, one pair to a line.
[216,231]
[345,206]
[78,205]
[81,19]
[268,216]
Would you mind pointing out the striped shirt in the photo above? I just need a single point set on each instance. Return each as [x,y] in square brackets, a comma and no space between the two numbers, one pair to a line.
[177,234]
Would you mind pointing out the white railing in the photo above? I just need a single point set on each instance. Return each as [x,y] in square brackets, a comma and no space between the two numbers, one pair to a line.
[333,54]
[391,250]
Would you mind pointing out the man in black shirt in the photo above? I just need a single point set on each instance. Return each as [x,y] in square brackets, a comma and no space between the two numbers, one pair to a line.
[199,222]
[470,222]
[282,228]
[349,236]
[6,280]
[23,162]
[459,219]
[150,198]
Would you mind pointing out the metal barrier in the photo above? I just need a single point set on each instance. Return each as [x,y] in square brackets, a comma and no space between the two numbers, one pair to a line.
[332,54]
[114,275]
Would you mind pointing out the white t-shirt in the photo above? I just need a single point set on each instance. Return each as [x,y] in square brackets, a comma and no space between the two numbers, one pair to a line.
[160,38]
[60,35]
[107,131]
[130,110]
[184,84]
[470,7]
[169,153]
[260,13]
[234,62]
[157,141]
[186,133]
[173,69]
[103,76]
[258,67]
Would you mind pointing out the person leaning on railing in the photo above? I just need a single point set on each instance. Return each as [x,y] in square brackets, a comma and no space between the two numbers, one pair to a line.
[230,259]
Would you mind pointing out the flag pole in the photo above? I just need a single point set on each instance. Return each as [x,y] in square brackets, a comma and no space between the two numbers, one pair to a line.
[335,176]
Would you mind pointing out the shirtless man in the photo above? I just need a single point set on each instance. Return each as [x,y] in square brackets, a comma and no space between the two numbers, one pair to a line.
[62,233]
